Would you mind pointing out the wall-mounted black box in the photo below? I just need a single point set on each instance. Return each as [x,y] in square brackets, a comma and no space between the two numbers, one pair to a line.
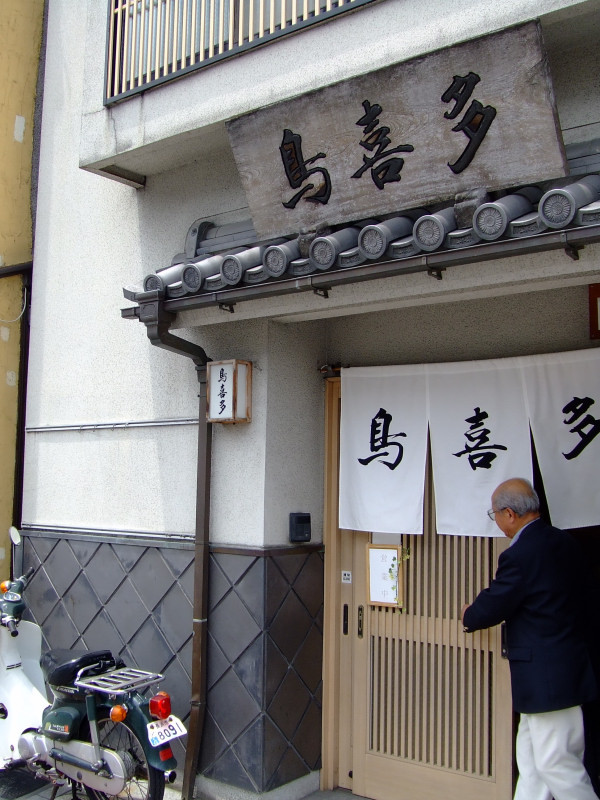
[299,527]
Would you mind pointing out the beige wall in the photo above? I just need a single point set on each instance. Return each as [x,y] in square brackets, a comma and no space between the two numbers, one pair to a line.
[20,35]
[10,308]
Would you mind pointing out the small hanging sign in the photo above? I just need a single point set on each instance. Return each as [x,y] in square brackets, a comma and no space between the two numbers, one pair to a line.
[229,391]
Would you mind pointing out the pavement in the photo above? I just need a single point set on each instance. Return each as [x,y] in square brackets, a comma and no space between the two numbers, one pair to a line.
[64,793]
[174,793]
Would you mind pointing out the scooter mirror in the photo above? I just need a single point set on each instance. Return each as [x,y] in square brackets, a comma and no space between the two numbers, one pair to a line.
[14,534]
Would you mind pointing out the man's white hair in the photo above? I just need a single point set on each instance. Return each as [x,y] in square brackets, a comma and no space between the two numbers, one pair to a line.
[520,496]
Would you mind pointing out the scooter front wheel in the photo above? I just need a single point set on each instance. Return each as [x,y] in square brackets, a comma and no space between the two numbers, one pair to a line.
[147,782]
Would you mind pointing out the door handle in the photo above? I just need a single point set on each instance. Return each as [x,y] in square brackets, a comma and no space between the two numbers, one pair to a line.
[345,620]
[361,620]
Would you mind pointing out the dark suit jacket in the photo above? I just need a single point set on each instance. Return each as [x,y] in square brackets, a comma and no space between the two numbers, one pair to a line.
[540,590]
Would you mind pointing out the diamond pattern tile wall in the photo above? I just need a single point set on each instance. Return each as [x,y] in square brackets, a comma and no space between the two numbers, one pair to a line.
[264,667]
[135,600]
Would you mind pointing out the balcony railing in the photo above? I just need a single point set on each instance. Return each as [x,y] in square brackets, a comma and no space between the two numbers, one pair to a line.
[153,41]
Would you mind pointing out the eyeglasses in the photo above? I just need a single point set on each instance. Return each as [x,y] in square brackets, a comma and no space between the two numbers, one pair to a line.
[492,513]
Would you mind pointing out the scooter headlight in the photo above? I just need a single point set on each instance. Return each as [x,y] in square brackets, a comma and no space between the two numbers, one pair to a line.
[160,705]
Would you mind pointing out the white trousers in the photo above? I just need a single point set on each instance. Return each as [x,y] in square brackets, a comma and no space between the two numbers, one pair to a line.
[550,757]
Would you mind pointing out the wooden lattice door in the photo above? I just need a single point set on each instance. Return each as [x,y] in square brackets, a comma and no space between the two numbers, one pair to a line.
[423,709]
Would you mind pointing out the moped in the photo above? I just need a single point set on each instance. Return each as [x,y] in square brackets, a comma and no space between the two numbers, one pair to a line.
[101,733]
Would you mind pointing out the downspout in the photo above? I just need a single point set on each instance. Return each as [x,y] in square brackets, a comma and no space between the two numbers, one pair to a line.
[25,270]
[157,322]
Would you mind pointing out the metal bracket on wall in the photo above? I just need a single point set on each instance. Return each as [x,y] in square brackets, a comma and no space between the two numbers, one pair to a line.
[435,272]
[322,292]
[330,370]
[227,307]
[571,250]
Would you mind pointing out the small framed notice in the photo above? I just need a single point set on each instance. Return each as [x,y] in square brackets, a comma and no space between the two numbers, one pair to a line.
[384,575]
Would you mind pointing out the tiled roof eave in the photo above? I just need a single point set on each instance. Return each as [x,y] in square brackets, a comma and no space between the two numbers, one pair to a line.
[569,239]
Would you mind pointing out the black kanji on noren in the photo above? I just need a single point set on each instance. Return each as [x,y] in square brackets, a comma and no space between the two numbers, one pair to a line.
[380,441]
[587,428]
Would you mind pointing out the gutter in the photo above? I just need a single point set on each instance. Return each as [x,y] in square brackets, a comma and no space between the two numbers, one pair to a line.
[571,240]
[25,271]
[16,269]
[157,322]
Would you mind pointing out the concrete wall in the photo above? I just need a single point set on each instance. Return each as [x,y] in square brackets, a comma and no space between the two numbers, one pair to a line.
[294,457]
[521,324]
[90,367]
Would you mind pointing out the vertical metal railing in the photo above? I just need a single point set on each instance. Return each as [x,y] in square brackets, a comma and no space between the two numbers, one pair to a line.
[151,41]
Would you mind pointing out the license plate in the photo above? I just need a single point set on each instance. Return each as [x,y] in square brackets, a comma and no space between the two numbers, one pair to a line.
[163,730]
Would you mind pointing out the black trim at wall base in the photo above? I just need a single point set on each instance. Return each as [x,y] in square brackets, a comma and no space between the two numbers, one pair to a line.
[265,641]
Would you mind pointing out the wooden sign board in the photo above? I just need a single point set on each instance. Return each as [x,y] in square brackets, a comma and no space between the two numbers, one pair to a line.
[480,114]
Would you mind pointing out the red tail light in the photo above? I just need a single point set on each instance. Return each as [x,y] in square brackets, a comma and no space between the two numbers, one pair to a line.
[160,705]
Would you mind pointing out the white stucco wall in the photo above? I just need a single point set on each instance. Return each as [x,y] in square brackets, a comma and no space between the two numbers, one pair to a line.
[190,112]
[90,367]
[294,454]
[87,365]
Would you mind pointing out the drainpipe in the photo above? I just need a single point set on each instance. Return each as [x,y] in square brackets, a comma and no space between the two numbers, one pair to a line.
[200,623]
[157,322]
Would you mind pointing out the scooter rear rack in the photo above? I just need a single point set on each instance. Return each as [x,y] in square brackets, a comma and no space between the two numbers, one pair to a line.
[119,680]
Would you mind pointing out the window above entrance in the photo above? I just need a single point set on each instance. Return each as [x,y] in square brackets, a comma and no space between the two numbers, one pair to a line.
[150,43]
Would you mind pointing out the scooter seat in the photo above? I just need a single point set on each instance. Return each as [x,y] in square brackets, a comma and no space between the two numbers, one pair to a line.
[60,667]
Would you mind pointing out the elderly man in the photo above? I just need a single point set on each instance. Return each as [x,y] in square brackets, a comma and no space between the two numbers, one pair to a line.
[539,590]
